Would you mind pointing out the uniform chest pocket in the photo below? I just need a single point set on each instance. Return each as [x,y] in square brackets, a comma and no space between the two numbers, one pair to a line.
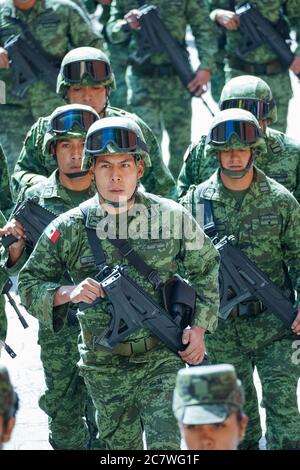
[267,225]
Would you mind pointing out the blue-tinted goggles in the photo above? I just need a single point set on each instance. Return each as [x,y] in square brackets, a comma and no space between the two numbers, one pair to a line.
[123,139]
[247,132]
[259,108]
[65,121]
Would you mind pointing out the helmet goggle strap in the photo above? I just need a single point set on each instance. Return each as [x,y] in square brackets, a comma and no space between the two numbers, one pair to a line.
[97,70]
[239,174]
[122,139]
[259,108]
[68,120]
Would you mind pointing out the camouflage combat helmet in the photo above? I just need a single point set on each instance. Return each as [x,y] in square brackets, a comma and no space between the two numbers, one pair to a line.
[249,93]
[111,147]
[229,117]
[207,394]
[8,397]
[81,55]
[77,117]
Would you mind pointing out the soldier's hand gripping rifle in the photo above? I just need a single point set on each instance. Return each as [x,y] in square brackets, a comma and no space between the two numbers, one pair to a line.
[131,309]
[257,30]
[34,219]
[155,37]
[241,280]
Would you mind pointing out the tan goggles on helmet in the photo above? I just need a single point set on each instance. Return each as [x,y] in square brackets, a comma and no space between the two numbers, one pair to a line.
[98,70]
[123,139]
[247,132]
[259,108]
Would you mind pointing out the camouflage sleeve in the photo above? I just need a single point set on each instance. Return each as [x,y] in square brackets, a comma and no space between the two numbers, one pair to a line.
[204,31]
[113,28]
[293,13]
[30,167]
[291,242]
[6,202]
[3,320]
[82,31]
[186,176]
[40,278]
[201,266]
[158,178]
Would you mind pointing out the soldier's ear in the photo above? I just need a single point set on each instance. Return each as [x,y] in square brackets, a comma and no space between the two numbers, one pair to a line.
[53,149]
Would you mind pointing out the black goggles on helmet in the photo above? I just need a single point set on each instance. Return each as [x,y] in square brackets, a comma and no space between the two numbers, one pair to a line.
[65,121]
[123,139]
[246,131]
[98,70]
[259,108]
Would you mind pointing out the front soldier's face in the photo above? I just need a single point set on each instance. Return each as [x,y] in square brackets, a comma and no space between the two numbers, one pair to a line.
[94,96]
[117,175]
[235,159]
[220,436]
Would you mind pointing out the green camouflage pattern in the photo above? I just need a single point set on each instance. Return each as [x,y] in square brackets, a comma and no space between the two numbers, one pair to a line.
[57,25]
[282,163]
[3,279]
[65,400]
[163,99]
[6,391]
[33,166]
[6,202]
[280,82]
[265,226]
[207,394]
[113,380]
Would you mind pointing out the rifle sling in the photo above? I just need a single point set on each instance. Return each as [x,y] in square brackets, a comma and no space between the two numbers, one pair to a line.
[125,250]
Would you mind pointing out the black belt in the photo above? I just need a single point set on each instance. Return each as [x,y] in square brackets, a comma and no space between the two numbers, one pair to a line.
[270,68]
[164,70]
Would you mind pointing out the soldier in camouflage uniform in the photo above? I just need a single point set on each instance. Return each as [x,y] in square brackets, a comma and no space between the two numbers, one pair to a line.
[92,89]
[264,218]
[154,89]
[8,406]
[282,161]
[208,404]
[262,61]
[57,26]
[131,385]
[65,399]
[5,192]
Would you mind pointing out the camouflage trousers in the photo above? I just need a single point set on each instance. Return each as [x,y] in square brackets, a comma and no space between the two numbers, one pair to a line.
[71,415]
[281,87]
[217,81]
[132,395]
[3,321]
[262,341]
[118,55]
[165,105]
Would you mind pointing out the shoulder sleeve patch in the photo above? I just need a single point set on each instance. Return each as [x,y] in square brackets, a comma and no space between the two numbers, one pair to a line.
[52,233]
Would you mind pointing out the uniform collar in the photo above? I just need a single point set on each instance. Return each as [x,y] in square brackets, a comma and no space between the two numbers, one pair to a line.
[215,190]
[54,188]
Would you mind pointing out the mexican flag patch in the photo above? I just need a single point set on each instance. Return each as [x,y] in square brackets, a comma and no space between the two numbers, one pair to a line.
[52,233]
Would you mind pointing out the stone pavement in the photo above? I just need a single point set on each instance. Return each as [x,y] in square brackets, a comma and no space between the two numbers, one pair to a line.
[26,370]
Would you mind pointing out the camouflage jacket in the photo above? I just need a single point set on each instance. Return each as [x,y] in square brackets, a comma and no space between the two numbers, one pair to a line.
[265,225]
[192,255]
[281,163]
[32,166]
[57,26]
[270,11]
[176,15]
[6,203]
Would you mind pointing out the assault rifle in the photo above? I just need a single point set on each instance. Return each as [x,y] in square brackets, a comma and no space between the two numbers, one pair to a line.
[155,37]
[257,30]
[131,309]
[241,280]
[34,219]
[29,65]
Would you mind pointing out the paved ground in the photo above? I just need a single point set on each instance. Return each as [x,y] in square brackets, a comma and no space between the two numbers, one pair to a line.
[26,371]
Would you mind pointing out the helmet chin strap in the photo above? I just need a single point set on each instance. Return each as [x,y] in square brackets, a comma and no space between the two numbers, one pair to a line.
[242,173]
[78,174]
